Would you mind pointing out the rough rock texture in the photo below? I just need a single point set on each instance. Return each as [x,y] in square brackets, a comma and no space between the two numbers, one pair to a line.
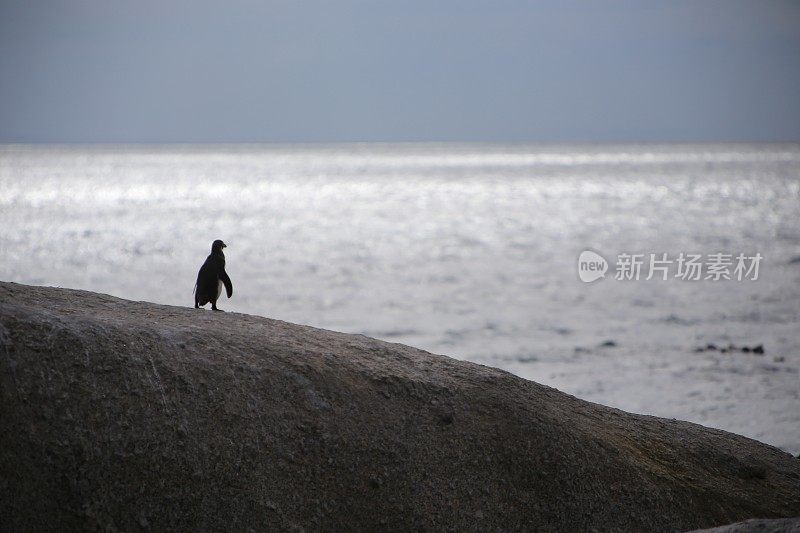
[776,525]
[128,415]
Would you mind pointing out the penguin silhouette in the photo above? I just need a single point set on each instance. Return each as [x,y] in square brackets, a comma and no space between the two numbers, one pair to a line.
[211,278]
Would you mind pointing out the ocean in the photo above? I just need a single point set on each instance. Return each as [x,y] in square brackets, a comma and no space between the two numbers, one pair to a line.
[467,250]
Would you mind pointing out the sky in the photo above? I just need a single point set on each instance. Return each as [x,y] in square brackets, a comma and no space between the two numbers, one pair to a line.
[143,71]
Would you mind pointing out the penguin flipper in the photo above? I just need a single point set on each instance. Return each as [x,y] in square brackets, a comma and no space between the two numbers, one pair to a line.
[227,281]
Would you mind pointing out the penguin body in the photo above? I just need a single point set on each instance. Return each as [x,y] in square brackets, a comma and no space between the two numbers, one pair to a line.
[212,278]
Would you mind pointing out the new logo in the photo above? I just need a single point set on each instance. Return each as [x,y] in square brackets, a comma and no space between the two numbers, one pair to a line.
[591,266]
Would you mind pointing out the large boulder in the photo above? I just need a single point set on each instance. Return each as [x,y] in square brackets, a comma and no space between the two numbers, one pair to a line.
[127,415]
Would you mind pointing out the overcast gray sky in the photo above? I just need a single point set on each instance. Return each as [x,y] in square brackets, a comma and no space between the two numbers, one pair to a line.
[427,70]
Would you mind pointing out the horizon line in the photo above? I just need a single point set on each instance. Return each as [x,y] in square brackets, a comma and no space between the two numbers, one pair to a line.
[111,144]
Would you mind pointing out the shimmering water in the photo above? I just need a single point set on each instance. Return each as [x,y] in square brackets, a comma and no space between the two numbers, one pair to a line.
[466,250]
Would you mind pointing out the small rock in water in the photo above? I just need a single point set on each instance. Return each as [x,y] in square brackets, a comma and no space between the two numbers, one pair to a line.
[731,348]
[608,344]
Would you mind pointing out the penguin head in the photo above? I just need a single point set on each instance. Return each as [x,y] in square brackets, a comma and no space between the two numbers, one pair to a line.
[217,245]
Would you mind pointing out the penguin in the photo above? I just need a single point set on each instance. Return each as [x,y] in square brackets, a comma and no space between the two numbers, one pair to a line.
[211,278]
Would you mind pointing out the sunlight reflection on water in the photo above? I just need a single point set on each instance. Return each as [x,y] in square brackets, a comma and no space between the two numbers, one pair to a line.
[466,250]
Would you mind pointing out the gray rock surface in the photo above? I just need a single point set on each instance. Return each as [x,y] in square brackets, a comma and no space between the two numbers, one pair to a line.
[130,415]
[756,525]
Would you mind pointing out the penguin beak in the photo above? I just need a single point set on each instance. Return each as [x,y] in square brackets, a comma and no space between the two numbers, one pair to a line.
[224,245]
